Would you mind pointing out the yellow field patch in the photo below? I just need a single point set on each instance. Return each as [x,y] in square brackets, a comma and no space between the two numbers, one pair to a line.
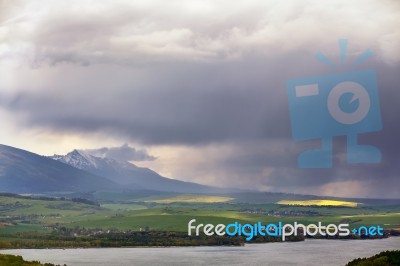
[193,199]
[318,203]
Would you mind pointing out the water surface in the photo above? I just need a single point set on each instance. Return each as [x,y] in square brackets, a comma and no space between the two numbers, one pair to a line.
[309,252]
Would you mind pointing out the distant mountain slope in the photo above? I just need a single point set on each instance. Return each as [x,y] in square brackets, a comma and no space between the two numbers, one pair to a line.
[128,174]
[25,172]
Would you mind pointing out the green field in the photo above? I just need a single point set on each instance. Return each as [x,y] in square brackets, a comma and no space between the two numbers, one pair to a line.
[123,206]
[173,212]
[193,199]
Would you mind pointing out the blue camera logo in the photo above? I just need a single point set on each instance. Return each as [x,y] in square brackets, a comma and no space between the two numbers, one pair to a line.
[338,104]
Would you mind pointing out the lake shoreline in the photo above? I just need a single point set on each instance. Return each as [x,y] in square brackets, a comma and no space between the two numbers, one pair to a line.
[311,252]
[192,246]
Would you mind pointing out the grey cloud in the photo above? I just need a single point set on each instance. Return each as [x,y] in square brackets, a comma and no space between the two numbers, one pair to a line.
[200,75]
[123,153]
[195,105]
[272,165]
[137,33]
[187,104]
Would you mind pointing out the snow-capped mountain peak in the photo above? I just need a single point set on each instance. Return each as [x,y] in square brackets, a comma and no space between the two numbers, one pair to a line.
[125,173]
[77,159]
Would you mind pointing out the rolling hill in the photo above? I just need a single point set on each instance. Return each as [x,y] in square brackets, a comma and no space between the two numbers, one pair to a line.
[26,172]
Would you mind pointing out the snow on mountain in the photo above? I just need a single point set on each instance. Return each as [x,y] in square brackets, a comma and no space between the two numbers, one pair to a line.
[77,159]
[26,172]
[126,173]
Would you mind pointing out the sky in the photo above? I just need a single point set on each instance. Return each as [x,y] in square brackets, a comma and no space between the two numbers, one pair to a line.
[195,90]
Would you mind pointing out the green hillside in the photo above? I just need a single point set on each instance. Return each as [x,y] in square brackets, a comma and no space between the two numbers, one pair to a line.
[32,218]
[11,260]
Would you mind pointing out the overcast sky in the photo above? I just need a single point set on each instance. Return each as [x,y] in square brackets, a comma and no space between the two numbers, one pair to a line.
[194,89]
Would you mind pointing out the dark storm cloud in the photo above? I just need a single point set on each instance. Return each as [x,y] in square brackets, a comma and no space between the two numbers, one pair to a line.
[189,105]
[198,74]
[183,106]
[123,153]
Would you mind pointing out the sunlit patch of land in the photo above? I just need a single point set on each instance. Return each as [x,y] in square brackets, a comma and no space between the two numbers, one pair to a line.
[319,203]
[193,199]
[123,207]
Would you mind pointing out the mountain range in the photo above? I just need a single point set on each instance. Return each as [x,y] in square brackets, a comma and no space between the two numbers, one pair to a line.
[126,173]
[26,172]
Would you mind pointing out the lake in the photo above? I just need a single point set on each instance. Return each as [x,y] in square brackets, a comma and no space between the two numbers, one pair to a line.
[309,252]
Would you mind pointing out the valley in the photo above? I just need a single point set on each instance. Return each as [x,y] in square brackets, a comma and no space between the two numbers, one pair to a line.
[37,221]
